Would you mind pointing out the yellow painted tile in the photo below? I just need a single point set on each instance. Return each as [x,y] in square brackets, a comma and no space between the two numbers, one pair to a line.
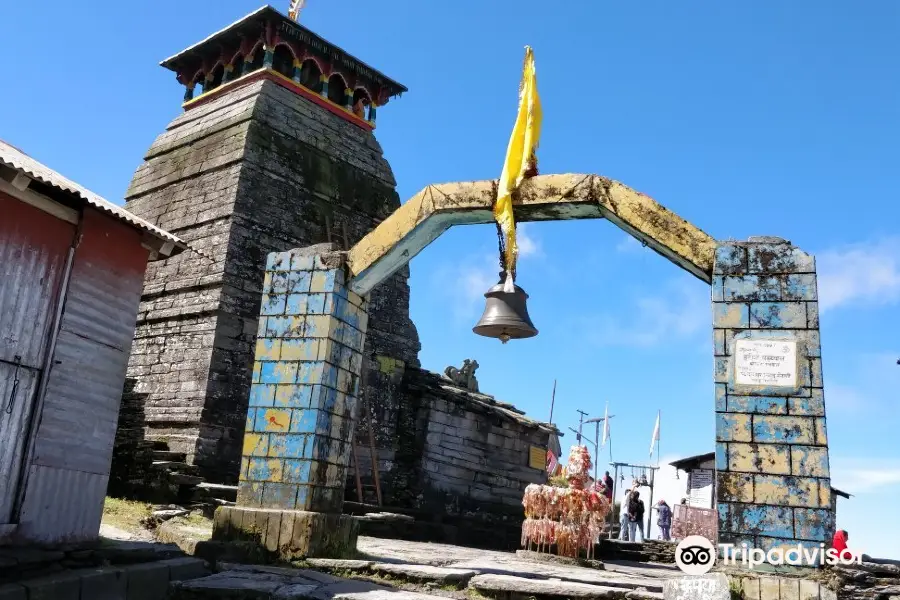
[824,494]
[255,444]
[821,433]
[267,349]
[276,470]
[318,282]
[782,491]
[277,420]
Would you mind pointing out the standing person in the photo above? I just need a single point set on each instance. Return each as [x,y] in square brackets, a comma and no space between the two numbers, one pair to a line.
[664,520]
[608,482]
[624,521]
[636,516]
[839,543]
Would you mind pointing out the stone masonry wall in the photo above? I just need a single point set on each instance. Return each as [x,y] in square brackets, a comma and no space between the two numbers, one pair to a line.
[256,170]
[771,440]
[455,454]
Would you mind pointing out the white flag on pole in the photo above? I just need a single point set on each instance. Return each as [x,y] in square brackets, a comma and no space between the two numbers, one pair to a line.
[655,439]
[605,425]
[295,8]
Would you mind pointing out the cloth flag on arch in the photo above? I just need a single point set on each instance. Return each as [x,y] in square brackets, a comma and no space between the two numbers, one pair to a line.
[655,439]
[520,160]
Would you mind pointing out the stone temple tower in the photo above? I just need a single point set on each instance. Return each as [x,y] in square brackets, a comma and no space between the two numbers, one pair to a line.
[274,150]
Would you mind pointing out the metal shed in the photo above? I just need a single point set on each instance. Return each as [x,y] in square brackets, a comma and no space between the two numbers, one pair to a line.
[71,270]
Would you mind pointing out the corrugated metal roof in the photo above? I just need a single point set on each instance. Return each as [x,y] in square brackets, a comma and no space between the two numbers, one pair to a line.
[18,160]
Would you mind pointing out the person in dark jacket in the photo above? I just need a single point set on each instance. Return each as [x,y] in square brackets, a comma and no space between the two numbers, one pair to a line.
[608,482]
[664,520]
[635,516]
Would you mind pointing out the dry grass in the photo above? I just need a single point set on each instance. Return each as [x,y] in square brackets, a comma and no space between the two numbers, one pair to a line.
[125,514]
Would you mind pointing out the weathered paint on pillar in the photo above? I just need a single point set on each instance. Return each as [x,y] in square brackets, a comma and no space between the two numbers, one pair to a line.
[773,480]
[305,384]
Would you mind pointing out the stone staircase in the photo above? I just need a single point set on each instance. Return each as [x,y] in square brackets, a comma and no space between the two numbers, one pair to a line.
[175,480]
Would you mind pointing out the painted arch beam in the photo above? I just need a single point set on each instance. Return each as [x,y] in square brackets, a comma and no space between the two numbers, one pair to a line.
[425,216]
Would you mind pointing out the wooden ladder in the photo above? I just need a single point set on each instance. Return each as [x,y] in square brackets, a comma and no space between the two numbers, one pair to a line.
[364,411]
[367,415]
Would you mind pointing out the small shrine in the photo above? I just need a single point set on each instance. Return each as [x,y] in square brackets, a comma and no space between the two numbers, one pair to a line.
[565,520]
[267,44]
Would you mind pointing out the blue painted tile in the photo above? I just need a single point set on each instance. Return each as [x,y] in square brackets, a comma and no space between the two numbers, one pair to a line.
[304,420]
[297,304]
[299,282]
[730,259]
[279,495]
[303,497]
[258,469]
[720,397]
[728,315]
[721,456]
[251,419]
[288,445]
[249,493]
[352,338]
[278,372]
[813,524]
[262,394]
[717,289]
[315,304]
[753,288]
[323,423]
[302,263]
[279,284]
[297,471]
[778,315]
[328,403]
[273,304]
[329,376]
[800,287]
[772,521]
[293,396]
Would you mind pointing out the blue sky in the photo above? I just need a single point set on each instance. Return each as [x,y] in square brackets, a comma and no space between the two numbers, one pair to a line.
[764,118]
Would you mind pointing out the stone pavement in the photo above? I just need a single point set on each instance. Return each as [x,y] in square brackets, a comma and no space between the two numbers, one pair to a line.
[415,570]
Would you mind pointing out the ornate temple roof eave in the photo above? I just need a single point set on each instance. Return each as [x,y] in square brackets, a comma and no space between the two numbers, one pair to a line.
[176,61]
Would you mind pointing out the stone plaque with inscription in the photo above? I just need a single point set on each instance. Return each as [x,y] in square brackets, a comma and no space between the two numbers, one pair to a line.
[765,362]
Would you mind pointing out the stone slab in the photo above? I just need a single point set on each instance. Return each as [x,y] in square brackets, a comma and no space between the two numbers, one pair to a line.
[508,585]
[186,568]
[291,534]
[338,563]
[104,584]
[12,592]
[440,575]
[385,595]
[712,586]
[147,581]
[61,586]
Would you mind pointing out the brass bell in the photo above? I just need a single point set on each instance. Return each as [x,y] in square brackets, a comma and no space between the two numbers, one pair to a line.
[505,315]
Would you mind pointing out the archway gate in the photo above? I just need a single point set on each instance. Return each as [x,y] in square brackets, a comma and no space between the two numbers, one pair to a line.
[773,482]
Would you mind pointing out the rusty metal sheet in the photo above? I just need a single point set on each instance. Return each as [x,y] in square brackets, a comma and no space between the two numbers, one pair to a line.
[62,505]
[689,520]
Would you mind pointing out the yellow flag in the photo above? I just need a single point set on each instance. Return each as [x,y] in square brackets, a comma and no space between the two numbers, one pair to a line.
[522,145]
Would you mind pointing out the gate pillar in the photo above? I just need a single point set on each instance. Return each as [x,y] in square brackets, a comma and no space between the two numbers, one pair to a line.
[299,427]
[773,483]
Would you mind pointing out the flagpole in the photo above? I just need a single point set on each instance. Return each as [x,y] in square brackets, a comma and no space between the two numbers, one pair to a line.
[552,402]
[658,419]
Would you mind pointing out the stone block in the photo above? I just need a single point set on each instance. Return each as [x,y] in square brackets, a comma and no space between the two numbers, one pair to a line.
[812,315]
[730,259]
[712,586]
[813,524]
[735,487]
[721,456]
[813,406]
[825,492]
[104,584]
[808,590]
[779,258]
[751,288]
[799,287]
[771,405]
[778,315]
[147,581]
[731,315]
[784,490]
[12,591]
[783,429]
[769,588]
[733,427]
[60,586]
[298,534]
[750,588]
[721,397]
[752,519]
[809,461]
[759,458]
[821,433]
